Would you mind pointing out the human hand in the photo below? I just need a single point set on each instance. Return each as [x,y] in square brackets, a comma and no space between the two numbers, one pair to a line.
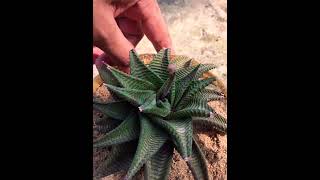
[118,27]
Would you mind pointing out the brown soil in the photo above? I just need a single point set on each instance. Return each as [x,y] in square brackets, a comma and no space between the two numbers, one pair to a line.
[213,145]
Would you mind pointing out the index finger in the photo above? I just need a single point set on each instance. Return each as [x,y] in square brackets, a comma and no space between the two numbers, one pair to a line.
[153,24]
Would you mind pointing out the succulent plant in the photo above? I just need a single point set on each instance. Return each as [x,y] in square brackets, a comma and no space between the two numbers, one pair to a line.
[153,113]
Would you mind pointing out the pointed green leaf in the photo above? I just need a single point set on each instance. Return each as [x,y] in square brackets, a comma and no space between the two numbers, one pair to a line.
[204,68]
[160,108]
[158,167]
[159,64]
[183,84]
[150,141]
[215,121]
[173,91]
[181,73]
[131,82]
[181,133]
[197,163]
[196,107]
[117,110]
[140,70]
[211,95]
[166,87]
[104,125]
[182,61]
[106,74]
[128,130]
[120,158]
[193,89]
[135,97]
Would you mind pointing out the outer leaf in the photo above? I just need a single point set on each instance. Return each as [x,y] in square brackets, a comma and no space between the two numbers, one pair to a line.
[105,73]
[128,130]
[183,84]
[162,108]
[181,133]
[158,167]
[194,88]
[159,64]
[215,121]
[104,125]
[197,163]
[204,68]
[182,61]
[131,82]
[141,71]
[183,72]
[120,158]
[117,110]
[196,107]
[151,140]
[210,95]
[135,97]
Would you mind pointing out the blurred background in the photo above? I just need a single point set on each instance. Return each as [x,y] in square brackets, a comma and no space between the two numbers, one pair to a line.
[198,29]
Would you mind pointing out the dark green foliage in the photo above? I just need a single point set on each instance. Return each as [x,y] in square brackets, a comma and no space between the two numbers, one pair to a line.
[156,109]
[197,163]
[158,166]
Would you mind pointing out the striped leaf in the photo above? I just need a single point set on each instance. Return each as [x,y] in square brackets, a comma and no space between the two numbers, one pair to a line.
[105,125]
[204,68]
[182,61]
[131,82]
[106,74]
[128,130]
[193,89]
[159,64]
[196,107]
[160,108]
[183,84]
[180,132]
[135,97]
[210,95]
[197,163]
[158,167]
[215,121]
[166,87]
[140,70]
[119,159]
[117,110]
[181,73]
[150,141]
[173,91]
